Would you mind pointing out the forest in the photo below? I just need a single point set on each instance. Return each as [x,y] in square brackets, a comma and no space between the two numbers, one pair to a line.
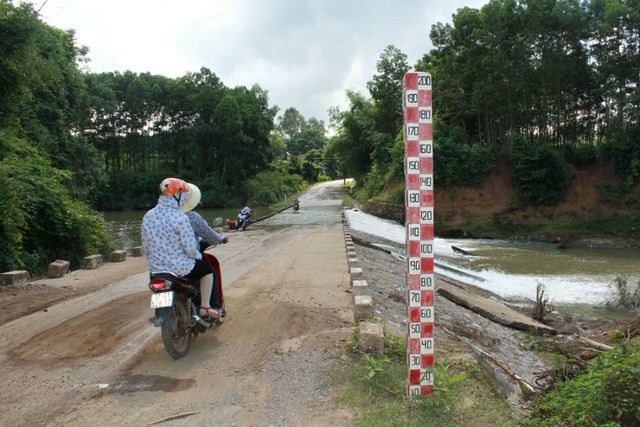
[544,83]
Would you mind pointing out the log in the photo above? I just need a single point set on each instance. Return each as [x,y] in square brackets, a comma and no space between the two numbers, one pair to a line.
[594,344]
[521,382]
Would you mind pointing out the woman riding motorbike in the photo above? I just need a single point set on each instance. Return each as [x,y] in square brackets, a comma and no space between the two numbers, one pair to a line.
[169,242]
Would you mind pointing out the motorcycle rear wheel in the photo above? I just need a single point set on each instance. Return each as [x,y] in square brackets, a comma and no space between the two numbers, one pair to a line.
[176,334]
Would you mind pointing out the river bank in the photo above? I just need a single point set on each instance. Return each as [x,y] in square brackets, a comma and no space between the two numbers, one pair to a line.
[615,232]
[511,359]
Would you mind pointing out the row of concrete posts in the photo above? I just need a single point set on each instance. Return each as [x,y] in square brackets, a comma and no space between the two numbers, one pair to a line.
[370,332]
[59,268]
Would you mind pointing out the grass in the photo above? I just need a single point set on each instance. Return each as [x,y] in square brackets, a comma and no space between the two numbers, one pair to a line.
[376,388]
[347,200]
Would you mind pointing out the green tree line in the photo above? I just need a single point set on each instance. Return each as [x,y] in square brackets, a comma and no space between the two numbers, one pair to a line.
[73,143]
[543,82]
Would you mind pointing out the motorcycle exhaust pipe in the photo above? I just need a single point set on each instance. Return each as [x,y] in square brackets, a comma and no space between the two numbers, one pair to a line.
[201,321]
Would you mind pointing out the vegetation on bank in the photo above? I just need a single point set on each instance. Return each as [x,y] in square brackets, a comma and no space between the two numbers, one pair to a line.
[376,386]
[605,393]
[543,84]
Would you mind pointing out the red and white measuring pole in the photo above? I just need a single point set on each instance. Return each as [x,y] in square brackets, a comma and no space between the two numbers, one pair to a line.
[418,144]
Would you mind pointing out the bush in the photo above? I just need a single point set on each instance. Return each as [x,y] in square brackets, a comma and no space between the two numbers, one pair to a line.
[41,222]
[580,155]
[538,173]
[270,187]
[456,163]
[624,295]
[606,394]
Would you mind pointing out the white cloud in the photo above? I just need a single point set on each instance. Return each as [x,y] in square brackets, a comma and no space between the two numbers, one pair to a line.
[305,53]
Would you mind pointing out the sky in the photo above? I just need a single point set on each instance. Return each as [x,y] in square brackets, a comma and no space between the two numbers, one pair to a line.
[305,53]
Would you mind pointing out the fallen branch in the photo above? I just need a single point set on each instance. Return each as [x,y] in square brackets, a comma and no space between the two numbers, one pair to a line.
[594,344]
[173,417]
[519,380]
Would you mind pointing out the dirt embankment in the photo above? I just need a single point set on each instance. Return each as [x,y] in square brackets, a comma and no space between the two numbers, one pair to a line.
[497,196]
[495,202]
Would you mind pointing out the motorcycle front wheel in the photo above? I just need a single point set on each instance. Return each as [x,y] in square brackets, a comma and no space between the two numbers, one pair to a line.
[176,334]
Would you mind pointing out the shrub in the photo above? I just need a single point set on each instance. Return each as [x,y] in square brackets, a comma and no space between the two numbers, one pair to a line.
[606,394]
[41,222]
[580,155]
[542,306]
[270,187]
[624,295]
[456,163]
[538,173]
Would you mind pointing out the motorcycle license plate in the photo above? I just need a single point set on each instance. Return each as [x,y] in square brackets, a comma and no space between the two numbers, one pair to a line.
[162,299]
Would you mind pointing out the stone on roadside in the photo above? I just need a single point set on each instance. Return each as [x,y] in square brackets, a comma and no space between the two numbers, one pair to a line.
[371,338]
[118,255]
[360,287]
[58,268]
[92,261]
[362,307]
[137,251]
[16,277]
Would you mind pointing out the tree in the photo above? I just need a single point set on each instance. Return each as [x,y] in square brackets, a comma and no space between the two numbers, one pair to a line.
[311,137]
[515,67]
[290,124]
[354,142]
[41,221]
[386,90]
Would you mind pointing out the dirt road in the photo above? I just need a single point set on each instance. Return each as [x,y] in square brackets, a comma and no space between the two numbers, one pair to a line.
[95,358]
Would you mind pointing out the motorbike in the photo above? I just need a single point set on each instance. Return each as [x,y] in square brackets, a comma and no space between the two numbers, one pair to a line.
[243,221]
[176,301]
[296,206]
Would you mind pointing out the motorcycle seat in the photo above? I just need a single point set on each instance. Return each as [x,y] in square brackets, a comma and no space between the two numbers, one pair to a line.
[171,276]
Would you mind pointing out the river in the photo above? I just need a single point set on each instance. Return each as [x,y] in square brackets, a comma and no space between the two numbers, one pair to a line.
[124,225]
[575,279]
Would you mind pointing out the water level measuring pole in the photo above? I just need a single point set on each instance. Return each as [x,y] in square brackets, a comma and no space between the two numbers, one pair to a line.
[419,203]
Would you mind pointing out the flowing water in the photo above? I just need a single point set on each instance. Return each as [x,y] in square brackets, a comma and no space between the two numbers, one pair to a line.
[577,281]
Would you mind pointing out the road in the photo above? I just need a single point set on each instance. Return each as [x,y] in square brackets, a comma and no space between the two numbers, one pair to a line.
[96,359]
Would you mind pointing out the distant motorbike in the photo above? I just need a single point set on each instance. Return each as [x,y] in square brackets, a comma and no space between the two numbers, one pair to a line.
[176,301]
[243,220]
[296,206]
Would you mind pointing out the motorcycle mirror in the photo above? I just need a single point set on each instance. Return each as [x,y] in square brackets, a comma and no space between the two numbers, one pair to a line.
[217,221]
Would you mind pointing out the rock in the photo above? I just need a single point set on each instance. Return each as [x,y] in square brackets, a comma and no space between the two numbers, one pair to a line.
[371,338]
[494,311]
[92,261]
[58,268]
[16,277]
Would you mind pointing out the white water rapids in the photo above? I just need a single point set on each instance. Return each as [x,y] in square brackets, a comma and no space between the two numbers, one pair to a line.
[569,277]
